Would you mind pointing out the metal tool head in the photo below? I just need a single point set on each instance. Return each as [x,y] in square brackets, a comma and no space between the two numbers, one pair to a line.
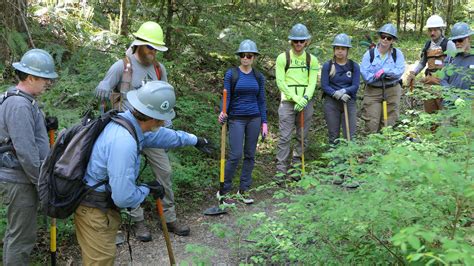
[213,211]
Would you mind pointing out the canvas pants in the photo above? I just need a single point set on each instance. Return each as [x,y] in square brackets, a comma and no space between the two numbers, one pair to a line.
[335,119]
[96,232]
[372,112]
[21,202]
[288,121]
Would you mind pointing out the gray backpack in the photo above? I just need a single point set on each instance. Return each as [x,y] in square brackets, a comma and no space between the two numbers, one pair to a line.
[61,183]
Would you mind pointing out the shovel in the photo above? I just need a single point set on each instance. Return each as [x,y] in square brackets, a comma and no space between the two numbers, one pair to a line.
[52,226]
[217,210]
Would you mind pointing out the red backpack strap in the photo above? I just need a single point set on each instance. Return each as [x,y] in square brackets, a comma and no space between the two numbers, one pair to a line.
[157,69]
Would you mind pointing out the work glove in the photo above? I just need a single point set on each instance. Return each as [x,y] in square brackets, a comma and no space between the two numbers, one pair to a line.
[459,102]
[222,118]
[51,123]
[379,73]
[338,94]
[345,98]
[204,145]
[102,93]
[301,103]
[156,189]
[264,131]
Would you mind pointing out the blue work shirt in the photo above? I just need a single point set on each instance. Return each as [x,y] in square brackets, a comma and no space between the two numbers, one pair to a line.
[115,156]
[393,70]
[344,78]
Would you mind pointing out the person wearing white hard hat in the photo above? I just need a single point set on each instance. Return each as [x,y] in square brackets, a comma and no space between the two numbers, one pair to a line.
[434,55]
[24,145]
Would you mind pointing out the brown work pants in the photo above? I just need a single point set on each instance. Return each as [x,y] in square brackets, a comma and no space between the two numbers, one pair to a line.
[96,232]
[372,112]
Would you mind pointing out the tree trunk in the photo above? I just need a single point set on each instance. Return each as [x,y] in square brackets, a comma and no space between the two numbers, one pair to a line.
[405,16]
[449,13]
[12,19]
[398,15]
[169,20]
[123,18]
[416,13]
[422,12]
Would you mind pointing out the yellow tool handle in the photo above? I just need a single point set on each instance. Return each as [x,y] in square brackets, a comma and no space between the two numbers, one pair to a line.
[52,235]
[223,137]
[385,115]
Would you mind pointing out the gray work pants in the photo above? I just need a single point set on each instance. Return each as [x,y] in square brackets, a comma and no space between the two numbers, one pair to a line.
[335,119]
[21,201]
[161,167]
[243,137]
[288,121]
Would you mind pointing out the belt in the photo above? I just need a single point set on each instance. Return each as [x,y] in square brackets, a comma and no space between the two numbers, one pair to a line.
[100,200]
[386,85]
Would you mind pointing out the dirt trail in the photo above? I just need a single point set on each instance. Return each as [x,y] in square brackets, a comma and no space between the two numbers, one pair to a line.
[217,251]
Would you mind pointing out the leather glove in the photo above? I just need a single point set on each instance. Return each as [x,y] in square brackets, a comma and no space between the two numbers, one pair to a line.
[338,94]
[204,145]
[379,73]
[222,118]
[411,76]
[264,131]
[51,123]
[345,98]
[102,93]
[156,189]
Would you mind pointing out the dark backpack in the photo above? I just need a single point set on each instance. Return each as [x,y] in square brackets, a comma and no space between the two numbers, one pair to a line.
[372,55]
[61,185]
[288,61]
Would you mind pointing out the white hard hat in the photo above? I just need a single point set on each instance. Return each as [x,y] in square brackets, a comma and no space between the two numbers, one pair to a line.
[435,21]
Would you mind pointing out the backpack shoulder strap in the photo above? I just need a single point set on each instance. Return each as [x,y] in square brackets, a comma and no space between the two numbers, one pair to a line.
[233,81]
[258,77]
[425,48]
[288,60]
[372,55]
[17,93]
[308,61]
[351,65]
[127,125]
[444,44]
[394,54]
[157,66]
[126,81]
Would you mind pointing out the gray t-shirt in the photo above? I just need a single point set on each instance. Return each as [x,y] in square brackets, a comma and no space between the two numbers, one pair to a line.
[140,75]
[22,122]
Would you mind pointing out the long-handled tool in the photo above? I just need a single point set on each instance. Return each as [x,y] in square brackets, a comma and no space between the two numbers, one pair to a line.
[216,210]
[384,105]
[166,234]
[302,141]
[346,116]
[52,226]
[412,100]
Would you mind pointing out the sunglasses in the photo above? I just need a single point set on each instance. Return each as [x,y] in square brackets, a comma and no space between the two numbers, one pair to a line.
[248,56]
[459,40]
[386,37]
[298,41]
[149,47]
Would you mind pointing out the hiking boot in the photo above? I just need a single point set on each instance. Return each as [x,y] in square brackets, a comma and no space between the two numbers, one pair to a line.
[119,238]
[141,231]
[225,199]
[178,229]
[244,196]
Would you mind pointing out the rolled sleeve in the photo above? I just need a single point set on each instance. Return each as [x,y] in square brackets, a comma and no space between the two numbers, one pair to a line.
[165,138]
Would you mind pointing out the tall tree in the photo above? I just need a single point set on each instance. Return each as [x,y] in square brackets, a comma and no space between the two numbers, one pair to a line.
[123,30]
[12,19]
[171,7]
[398,15]
[422,13]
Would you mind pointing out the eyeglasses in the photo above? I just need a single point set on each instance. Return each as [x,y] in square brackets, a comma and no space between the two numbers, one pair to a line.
[459,40]
[149,47]
[248,56]
[386,37]
[298,41]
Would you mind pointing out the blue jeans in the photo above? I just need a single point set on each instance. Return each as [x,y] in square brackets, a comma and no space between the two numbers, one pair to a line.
[243,137]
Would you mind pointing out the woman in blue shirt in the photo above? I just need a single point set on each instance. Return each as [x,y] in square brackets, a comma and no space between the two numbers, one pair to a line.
[247,116]
[340,78]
